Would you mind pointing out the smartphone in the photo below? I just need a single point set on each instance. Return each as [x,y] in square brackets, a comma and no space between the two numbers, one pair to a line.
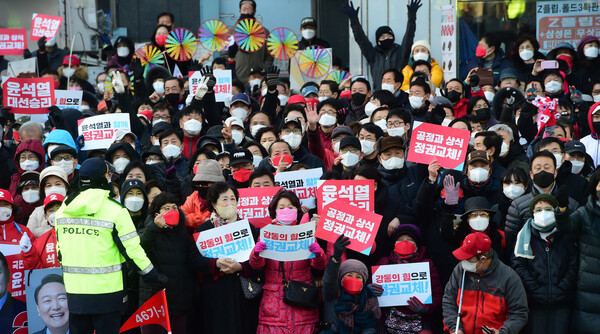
[486,76]
[549,64]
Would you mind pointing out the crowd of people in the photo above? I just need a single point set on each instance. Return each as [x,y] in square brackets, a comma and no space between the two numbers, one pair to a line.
[511,240]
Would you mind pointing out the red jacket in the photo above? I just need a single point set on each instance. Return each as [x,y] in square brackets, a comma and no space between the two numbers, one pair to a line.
[12,232]
[195,212]
[189,146]
[319,144]
[42,253]
[460,109]
[34,146]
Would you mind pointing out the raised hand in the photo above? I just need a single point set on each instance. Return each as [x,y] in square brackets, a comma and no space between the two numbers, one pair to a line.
[349,10]
[451,190]
[272,78]
[117,83]
[340,246]
[414,6]
[207,72]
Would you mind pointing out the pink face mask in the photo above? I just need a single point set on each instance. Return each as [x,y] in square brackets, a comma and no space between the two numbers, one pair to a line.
[286,216]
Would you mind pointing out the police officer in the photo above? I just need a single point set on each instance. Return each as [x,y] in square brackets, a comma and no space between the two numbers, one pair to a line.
[95,236]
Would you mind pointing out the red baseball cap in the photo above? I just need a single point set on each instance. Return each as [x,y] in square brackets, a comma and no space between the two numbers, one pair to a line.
[53,198]
[474,244]
[296,99]
[74,60]
[346,94]
[6,196]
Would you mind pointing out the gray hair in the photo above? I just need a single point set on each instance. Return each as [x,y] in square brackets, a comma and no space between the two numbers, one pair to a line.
[503,127]
[32,126]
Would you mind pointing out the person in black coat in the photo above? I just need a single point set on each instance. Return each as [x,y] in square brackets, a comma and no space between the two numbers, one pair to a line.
[525,52]
[308,30]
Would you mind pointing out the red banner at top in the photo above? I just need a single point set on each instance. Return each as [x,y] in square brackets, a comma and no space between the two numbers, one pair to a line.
[430,142]
[12,42]
[154,311]
[28,95]
[44,25]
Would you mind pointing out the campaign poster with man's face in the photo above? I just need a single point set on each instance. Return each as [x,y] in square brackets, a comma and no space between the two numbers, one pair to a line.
[47,306]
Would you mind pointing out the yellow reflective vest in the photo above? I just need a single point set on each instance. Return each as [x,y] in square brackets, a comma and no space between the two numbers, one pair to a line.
[86,230]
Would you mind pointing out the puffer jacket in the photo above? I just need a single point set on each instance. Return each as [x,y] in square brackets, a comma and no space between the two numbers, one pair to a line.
[495,299]
[34,146]
[195,212]
[585,224]
[550,277]
[437,75]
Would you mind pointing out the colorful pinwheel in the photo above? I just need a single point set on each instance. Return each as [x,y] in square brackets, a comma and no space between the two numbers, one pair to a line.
[150,56]
[250,35]
[314,61]
[214,35]
[181,44]
[338,76]
[282,43]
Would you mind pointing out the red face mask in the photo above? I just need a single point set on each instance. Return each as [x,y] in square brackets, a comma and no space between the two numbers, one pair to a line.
[160,40]
[56,83]
[481,52]
[404,248]
[172,218]
[242,175]
[567,58]
[352,285]
[286,158]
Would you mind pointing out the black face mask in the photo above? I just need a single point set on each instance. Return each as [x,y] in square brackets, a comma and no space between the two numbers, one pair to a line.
[483,114]
[453,96]
[358,99]
[172,98]
[386,43]
[246,16]
[596,126]
[543,179]
[202,191]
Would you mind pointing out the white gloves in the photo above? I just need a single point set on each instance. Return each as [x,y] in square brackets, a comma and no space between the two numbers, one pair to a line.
[25,243]
[117,83]
[202,88]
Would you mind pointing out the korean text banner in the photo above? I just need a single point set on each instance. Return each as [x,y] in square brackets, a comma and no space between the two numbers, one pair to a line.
[254,205]
[68,98]
[12,42]
[358,224]
[360,193]
[447,145]
[98,131]
[222,88]
[44,25]
[402,281]
[302,182]
[288,243]
[12,252]
[234,241]
[28,95]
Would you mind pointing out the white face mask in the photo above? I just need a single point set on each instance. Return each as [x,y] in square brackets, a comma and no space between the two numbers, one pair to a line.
[263,92]
[122,51]
[591,52]
[227,212]
[479,223]
[120,164]
[327,120]
[31,196]
[468,266]
[369,108]
[254,129]
[292,139]
[29,165]
[446,121]
[388,87]
[382,123]
[254,82]
[308,34]
[526,54]
[56,190]
[544,218]
[5,213]
[266,145]
[51,218]
[558,158]
[503,149]
[100,87]
[322,98]
[576,166]
[513,191]
[256,159]
[489,96]
[393,163]
[478,175]
[240,113]
[596,98]
[171,151]
[67,166]
[336,147]
[416,101]
[421,56]
[367,147]
[350,159]
[159,87]
[134,204]
[192,126]
[282,99]
[237,136]
[553,86]
[396,132]
[68,72]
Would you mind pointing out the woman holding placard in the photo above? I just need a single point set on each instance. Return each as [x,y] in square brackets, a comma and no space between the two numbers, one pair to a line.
[275,315]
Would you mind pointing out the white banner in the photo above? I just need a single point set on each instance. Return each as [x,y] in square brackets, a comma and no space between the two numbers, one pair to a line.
[222,88]
[402,281]
[98,131]
[68,98]
[302,182]
[233,241]
[288,243]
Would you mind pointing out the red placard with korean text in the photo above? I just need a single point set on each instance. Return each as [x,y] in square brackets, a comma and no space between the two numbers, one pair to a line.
[44,25]
[28,95]
[254,205]
[12,252]
[12,42]
[360,193]
[358,224]
[447,145]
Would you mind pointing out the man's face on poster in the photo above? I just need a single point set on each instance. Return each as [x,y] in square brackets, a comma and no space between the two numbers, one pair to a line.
[52,306]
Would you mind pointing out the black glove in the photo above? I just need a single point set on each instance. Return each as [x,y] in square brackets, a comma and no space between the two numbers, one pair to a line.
[42,44]
[349,10]
[194,65]
[232,51]
[155,279]
[27,54]
[212,81]
[272,78]
[340,246]
[414,6]
[137,68]
[55,116]
[562,196]
[474,80]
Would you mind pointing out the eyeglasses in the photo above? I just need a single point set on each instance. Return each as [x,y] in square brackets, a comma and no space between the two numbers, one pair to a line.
[59,158]
[350,149]
[395,124]
[164,117]
[479,214]
[288,131]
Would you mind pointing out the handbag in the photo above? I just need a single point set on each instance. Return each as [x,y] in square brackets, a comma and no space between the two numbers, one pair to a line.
[299,294]
[251,288]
